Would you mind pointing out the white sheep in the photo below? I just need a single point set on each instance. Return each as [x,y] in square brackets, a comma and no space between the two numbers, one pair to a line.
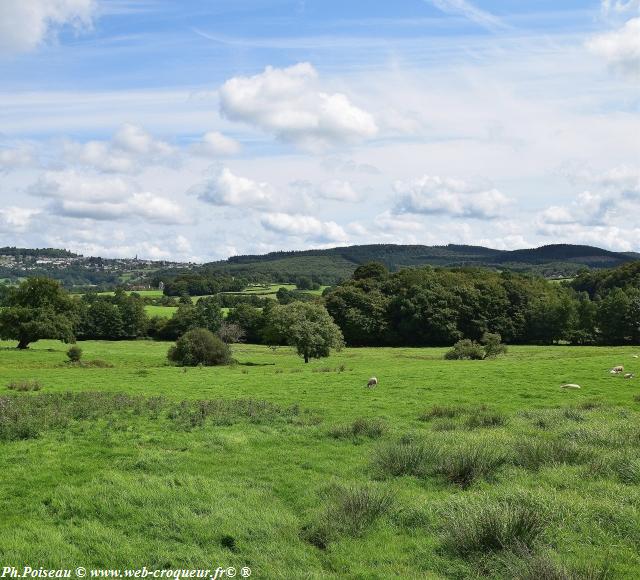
[571,386]
[373,382]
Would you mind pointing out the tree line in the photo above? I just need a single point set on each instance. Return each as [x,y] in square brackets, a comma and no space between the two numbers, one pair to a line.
[413,307]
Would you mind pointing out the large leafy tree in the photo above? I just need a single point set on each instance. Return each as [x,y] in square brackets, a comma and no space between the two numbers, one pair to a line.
[38,309]
[306,326]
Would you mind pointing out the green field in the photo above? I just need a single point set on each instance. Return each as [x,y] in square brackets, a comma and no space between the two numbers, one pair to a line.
[458,469]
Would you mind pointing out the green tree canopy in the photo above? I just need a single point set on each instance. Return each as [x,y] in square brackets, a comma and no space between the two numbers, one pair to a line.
[40,308]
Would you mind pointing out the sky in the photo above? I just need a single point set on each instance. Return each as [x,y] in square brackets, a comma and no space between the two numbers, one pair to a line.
[202,129]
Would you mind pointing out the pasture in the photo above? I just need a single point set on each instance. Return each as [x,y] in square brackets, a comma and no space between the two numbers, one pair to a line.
[448,469]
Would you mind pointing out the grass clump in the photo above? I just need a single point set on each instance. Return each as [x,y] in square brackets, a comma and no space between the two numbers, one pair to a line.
[361,427]
[488,525]
[25,385]
[350,511]
[440,412]
[534,453]
[469,461]
[525,564]
[408,456]
[485,418]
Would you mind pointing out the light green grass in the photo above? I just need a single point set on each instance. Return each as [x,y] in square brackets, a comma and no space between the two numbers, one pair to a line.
[162,311]
[133,488]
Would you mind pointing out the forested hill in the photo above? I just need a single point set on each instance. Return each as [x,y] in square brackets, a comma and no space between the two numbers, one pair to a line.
[331,265]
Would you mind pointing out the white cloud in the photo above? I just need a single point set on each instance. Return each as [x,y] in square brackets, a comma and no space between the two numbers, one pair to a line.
[620,48]
[620,6]
[215,144]
[16,219]
[288,103]
[337,190]
[304,226]
[129,151]
[78,195]
[228,189]
[445,196]
[468,10]
[25,24]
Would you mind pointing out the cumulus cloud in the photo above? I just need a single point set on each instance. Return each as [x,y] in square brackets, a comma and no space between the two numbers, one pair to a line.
[288,103]
[303,226]
[78,195]
[620,48]
[215,144]
[130,150]
[16,219]
[433,195]
[228,189]
[337,190]
[25,24]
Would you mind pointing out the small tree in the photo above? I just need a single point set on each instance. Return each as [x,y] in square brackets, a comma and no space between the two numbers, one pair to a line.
[199,346]
[74,354]
[38,309]
[306,326]
[230,332]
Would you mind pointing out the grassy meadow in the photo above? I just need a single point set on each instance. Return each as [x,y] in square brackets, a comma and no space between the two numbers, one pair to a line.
[448,469]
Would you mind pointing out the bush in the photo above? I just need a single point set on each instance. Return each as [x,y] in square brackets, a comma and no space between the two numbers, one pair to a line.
[486,418]
[467,462]
[200,347]
[440,412]
[74,354]
[533,453]
[405,457]
[493,346]
[465,349]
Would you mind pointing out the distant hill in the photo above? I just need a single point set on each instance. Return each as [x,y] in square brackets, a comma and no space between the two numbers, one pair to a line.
[332,265]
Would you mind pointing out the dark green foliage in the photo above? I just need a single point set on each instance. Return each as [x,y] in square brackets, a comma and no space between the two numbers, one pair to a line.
[202,285]
[307,327]
[250,319]
[200,346]
[74,354]
[465,349]
[205,313]
[117,317]
[38,309]
[493,346]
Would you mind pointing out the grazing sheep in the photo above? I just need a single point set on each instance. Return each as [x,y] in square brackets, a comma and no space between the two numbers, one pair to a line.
[629,376]
[617,370]
[373,382]
[635,356]
[571,386]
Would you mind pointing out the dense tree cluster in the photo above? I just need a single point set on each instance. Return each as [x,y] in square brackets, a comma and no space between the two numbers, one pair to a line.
[430,306]
[117,317]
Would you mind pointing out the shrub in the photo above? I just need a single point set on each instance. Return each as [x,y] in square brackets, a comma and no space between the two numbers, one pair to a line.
[74,354]
[491,525]
[493,346]
[465,349]
[200,347]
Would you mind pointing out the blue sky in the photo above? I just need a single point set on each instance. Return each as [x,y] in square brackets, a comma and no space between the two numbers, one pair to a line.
[201,129]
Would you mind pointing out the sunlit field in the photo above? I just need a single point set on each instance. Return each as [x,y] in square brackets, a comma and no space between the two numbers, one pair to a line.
[446,469]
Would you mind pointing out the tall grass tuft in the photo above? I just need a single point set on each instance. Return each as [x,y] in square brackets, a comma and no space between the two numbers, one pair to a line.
[350,511]
[489,525]
[440,412]
[534,453]
[361,427]
[408,456]
[485,419]
[466,462]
